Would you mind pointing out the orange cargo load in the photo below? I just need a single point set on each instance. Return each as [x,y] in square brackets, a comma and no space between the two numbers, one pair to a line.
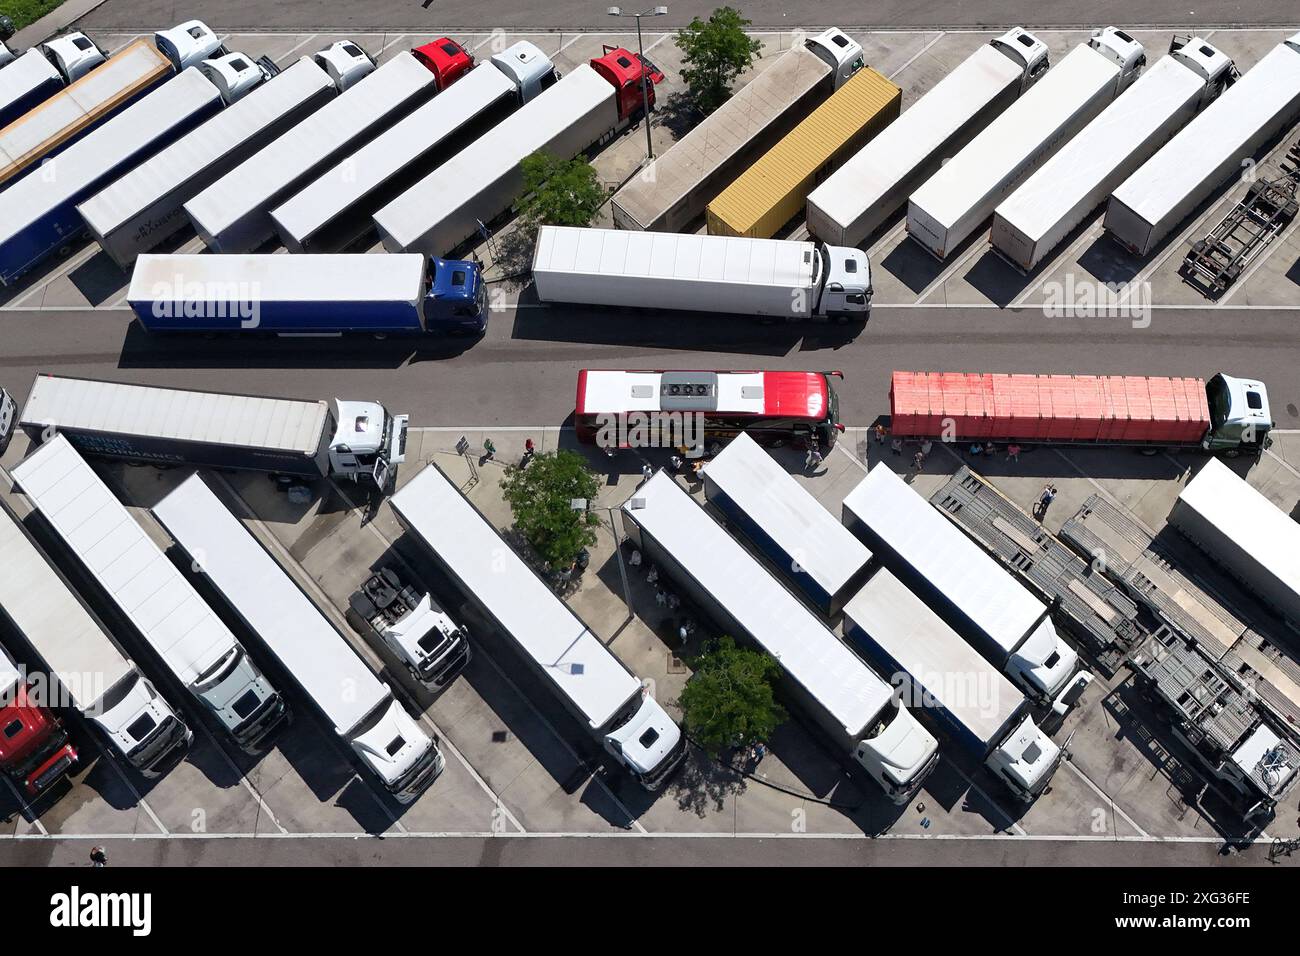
[1088,409]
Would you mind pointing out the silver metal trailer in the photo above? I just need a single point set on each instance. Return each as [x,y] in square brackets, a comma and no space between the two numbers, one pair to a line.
[146,206]
[1245,534]
[955,201]
[148,590]
[664,270]
[677,186]
[337,208]
[234,213]
[853,706]
[483,180]
[1094,610]
[588,678]
[1208,151]
[311,651]
[786,524]
[860,196]
[87,669]
[946,678]
[1037,217]
[1158,572]
[972,592]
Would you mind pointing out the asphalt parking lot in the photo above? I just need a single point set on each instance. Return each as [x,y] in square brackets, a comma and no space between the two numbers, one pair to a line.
[517,764]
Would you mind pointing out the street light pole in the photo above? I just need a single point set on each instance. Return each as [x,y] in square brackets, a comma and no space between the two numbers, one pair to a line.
[640,49]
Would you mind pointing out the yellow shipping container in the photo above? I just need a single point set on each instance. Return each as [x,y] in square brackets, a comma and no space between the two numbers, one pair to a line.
[772,192]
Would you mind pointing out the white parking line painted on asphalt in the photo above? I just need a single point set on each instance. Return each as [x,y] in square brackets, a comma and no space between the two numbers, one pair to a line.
[981,244]
[565,46]
[294,49]
[915,56]
[1115,808]
[661,39]
[1092,233]
[886,239]
[25,808]
[396,39]
[77,260]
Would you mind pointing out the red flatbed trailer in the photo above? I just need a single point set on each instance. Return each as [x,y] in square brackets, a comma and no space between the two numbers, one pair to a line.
[1050,409]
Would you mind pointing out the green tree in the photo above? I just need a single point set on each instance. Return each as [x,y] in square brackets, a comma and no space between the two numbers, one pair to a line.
[541,496]
[714,53]
[559,192]
[729,696]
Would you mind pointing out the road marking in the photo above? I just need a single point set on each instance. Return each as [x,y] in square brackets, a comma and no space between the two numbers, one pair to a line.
[1277,243]
[565,46]
[396,39]
[661,39]
[916,55]
[1092,233]
[881,243]
[980,244]
[294,49]
[25,808]
[1115,808]
[74,262]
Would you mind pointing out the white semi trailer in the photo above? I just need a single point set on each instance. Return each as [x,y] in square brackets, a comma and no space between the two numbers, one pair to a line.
[337,209]
[955,201]
[762,277]
[311,651]
[801,539]
[1207,151]
[149,592]
[854,707]
[860,196]
[675,188]
[947,680]
[971,591]
[136,213]
[1245,534]
[87,669]
[595,687]
[1037,217]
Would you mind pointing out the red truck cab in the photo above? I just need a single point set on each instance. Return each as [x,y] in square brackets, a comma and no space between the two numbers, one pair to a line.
[446,59]
[622,68]
[34,745]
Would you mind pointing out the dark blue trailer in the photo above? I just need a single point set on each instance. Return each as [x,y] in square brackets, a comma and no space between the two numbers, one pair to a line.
[27,82]
[308,294]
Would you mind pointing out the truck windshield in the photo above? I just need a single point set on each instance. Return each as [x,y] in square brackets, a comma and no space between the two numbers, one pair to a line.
[1219,400]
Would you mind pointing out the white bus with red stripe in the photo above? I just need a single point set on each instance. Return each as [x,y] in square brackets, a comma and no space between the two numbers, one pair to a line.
[773,408]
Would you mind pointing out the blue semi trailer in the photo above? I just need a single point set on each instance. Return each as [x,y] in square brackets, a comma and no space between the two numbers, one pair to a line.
[41,216]
[42,71]
[308,295]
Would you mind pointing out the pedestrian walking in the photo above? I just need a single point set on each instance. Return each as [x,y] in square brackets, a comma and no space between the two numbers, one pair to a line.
[918,459]
[925,448]
[646,472]
[98,857]
[675,463]
[976,449]
[896,446]
[1045,500]
[1013,452]
[660,597]
[489,449]
[529,451]
[990,449]
[814,458]
[880,433]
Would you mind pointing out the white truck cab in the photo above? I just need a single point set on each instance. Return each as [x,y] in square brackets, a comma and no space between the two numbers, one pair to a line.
[188,44]
[346,63]
[1026,760]
[140,723]
[8,418]
[418,631]
[241,698]
[643,742]
[1240,417]
[529,68]
[899,753]
[1127,53]
[1208,62]
[368,442]
[235,74]
[392,744]
[840,51]
[847,287]
[1043,663]
[1022,47]
[73,55]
